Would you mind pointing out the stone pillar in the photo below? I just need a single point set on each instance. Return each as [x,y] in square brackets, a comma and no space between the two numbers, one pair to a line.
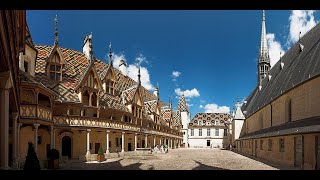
[154,141]
[146,141]
[88,142]
[160,141]
[15,143]
[51,137]
[171,143]
[36,126]
[90,100]
[135,141]
[107,134]
[18,142]
[5,84]
[122,143]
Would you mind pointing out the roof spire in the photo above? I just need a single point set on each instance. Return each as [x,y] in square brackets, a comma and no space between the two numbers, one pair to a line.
[170,103]
[300,45]
[139,81]
[182,105]
[110,55]
[56,30]
[264,59]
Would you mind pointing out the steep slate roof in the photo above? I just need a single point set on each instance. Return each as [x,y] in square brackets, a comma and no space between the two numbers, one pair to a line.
[211,118]
[299,66]
[75,67]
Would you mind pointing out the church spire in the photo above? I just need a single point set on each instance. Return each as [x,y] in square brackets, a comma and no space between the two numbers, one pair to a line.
[182,105]
[264,59]
[56,30]
[110,55]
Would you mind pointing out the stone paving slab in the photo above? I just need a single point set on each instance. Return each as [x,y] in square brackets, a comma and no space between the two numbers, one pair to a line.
[176,159]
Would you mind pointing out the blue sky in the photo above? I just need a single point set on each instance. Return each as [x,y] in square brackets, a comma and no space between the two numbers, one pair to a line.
[209,55]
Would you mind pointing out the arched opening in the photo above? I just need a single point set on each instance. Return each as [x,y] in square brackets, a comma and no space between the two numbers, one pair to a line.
[85,98]
[44,100]
[94,99]
[66,146]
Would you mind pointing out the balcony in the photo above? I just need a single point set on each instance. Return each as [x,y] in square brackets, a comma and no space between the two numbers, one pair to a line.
[35,112]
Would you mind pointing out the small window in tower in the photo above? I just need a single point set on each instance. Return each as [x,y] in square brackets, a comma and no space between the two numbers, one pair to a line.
[26,66]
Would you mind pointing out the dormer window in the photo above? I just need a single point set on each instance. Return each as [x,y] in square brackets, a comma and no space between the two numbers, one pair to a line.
[55,69]
[110,87]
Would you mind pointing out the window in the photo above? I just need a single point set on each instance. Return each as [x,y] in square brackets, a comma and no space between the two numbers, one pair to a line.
[55,72]
[217,132]
[110,87]
[289,111]
[200,132]
[192,132]
[208,132]
[225,132]
[281,145]
[270,145]
[261,144]
[26,66]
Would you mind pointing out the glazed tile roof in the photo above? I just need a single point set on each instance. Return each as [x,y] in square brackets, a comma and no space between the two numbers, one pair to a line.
[166,113]
[299,66]
[218,119]
[151,106]
[176,118]
[182,105]
[75,67]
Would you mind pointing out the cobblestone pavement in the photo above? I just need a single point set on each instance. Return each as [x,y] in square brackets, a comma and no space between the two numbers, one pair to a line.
[176,159]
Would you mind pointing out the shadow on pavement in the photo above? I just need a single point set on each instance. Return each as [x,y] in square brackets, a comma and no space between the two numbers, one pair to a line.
[206,167]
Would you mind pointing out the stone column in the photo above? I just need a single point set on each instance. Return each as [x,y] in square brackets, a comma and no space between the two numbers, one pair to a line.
[135,141]
[171,143]
[51,137]
[154,141]
[146,141]
[5,84]
[122,143]
[107,134]
[90,100]
[88,141]
[18,142]
[36,126]
[15,143]
[159,140]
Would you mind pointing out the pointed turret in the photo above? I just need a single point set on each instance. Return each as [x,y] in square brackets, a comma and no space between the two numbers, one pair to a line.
[238,114]
[182,106]
[139,81]
[156,91]
[56,42]
[110,55]
[88,47]
[264,59]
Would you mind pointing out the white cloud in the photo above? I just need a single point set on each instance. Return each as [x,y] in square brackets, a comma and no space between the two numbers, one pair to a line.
[200,106]
[175,75]
[300,20]
[214,108]
[117,58]
[187,93]
[145,77]
[274,49]
[189,105]
[140,59]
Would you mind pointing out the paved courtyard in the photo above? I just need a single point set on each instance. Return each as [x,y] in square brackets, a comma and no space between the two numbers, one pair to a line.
[176,159]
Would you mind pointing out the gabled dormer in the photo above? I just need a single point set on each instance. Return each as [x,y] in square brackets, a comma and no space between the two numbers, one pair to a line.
[89,87]
[54,64]
[108,82]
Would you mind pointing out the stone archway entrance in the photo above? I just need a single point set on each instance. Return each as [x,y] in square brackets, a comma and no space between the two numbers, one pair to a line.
[66,146]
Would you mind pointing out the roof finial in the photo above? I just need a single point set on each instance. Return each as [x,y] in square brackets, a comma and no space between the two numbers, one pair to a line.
[139,81]
[56,30]
[299,35]
[300,45]
[170,102]
[110,55]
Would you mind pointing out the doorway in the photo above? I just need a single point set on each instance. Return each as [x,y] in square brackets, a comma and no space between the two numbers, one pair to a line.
[317,151]
[255,147]
[208,143]
[96,148]
[129,147]
[298,151]
[66,146]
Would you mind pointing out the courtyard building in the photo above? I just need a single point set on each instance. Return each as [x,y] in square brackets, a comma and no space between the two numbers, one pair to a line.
[281,113]
[57,97]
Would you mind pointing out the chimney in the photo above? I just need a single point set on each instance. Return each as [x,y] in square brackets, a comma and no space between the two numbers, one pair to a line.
[87,47]
[123,67]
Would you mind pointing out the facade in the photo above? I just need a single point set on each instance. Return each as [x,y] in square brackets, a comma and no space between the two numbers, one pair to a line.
[281,114]
[75,103]
[209,130]
[12,41]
